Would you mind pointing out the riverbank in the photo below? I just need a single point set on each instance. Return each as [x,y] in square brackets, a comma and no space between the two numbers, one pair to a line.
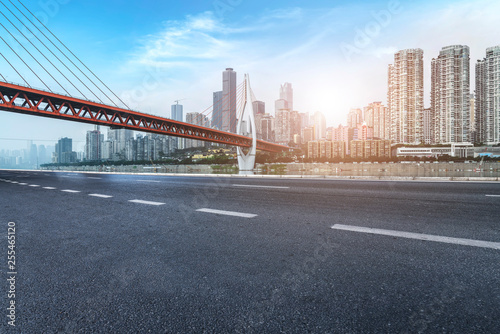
[413,170]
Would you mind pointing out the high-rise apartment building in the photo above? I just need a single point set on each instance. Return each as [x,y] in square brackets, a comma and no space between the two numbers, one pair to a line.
[487,104]
[282,123]
[267,126]
[319,125]
[450,94]
[229,100]
[406,96]
[197,119]
[376,117]
[428,126]
[354,117]
[118,139]
[93,145]
[308,134]
[304,119]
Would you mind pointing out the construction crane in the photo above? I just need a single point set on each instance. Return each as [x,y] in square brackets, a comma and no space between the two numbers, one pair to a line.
[177,101]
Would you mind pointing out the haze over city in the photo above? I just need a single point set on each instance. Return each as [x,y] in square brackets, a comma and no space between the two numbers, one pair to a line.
[335,55]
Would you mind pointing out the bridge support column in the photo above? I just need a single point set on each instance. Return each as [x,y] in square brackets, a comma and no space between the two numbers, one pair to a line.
[246,127]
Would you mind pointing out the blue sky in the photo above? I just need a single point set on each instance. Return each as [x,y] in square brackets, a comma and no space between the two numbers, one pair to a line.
[335,53]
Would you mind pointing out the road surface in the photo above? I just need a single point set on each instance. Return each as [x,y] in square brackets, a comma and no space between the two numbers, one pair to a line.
[100,253]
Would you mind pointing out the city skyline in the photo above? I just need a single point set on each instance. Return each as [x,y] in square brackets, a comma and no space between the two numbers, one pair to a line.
[349,79]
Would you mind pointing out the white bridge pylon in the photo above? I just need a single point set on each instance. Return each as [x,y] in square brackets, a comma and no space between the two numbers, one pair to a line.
[246,127]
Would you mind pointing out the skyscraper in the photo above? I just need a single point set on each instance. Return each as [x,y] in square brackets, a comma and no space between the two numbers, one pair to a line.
[406,96]
[176,112]
[259,109]
[487,104]
[319,125]
[282,122]
[64,151]
[450,94]
[177,115]
[217,111]
[286,93]
[229,100]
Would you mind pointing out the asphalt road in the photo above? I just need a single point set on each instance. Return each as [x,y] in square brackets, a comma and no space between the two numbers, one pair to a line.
[98,253]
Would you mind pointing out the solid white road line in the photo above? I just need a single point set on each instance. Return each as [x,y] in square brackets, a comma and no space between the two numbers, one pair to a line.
[49,188]
[100,196]
[228,213]
[255,186]
[492,195]
[149,181]
[146,202]
[71,191]
[419,236]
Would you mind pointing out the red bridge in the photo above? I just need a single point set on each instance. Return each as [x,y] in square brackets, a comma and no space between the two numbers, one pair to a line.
[24,100]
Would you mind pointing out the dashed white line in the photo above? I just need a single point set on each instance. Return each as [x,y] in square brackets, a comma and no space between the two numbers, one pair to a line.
[49,188]
[256,186]
[149,181]
[228,213]
[71,191]
[34,185]
[492,195]
[100,196]
[23,184]
[419,236]
[146,202]
[94,178]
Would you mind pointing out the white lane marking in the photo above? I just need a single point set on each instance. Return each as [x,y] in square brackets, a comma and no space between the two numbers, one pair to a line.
[228,213]
[492,195]
[94,178]
[146,202]
[34,185]
[149,181]
[100,196]
[255,186]
[14,182]
[419,236]
[49,188]
[71,191]
[23,184]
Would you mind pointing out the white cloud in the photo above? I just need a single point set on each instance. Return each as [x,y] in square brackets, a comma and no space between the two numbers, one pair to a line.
[199,37]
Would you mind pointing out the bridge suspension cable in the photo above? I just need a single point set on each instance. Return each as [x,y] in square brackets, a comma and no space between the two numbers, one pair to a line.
[14,51]
[34,58]
[32,33]
[64,45]
[8,62]
[19,30]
